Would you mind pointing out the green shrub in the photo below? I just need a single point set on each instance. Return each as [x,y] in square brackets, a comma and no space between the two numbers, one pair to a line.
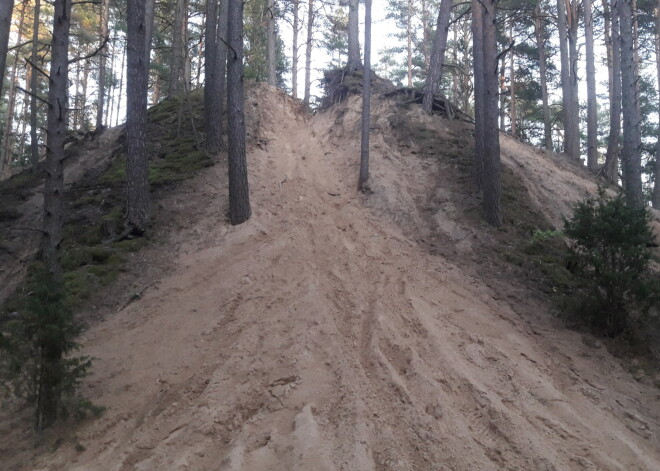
[611,256]
[37,343]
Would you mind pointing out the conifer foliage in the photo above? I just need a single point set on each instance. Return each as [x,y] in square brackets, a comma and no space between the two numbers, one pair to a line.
[611,250]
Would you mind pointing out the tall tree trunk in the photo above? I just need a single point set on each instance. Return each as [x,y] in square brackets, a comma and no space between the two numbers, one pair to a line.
[512,75]
[354,62]
[137,165]
[454,71]
[366,101]
[123,72]
[149,14]
[409,48]
[573,25]
[571,131]
[294,52]
[271,38]
[7,140]
[479,91]
[103,34]
[308,52]
[502,93]
[437,55]
[426,39]
[56,129]
[177,70]
[592,109]
[655,199]
[212,93]
[83,98]
[631,155]
[6,12]
[491,150]
[34,87]
[611,170]
[540,44]
[239,192]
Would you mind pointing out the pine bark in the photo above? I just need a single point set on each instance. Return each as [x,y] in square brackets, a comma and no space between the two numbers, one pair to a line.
[239,194]
[138,208]
[479,91]
[213,112]
[611,170]
[6,12]
[513,114]
[294,52]
[366,101]
[34,87]
[149,13]
[271,50]
[655,198]
[409,48]
[103,57]
[567,25]
[354,61]
[438,51]
[631,154]
[491,151]
[308,52]
[592,108]
[56,130]
[540,44]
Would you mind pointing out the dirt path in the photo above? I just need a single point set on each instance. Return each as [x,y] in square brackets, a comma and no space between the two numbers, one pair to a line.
[318,336]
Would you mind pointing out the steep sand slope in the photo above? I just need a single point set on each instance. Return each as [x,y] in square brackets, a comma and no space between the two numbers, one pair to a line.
[319,336]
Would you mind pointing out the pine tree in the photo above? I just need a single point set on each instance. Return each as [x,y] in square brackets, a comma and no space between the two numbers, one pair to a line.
[138,208]
[437,55]
[239,193]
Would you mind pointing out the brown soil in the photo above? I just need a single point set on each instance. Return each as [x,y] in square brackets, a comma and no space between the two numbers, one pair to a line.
[341,331]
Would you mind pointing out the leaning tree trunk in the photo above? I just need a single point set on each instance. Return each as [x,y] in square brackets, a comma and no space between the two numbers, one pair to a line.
[366,101]
[631,155]
[103,35]
[592,109]
[656,187]
[6,11]
[271,38]
[479,91]
[540,45]
[239,193]
[308,52]
[137,166]
[354,62]
[437,55]
[611,169]
[491,150]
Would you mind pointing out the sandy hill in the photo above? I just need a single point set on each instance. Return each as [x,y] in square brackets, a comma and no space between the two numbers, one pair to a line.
[338,331]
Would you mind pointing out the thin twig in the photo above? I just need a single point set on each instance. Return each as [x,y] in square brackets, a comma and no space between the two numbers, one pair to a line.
[92,54]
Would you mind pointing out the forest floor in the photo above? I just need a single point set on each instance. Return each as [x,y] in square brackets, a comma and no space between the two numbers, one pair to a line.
[341,331]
